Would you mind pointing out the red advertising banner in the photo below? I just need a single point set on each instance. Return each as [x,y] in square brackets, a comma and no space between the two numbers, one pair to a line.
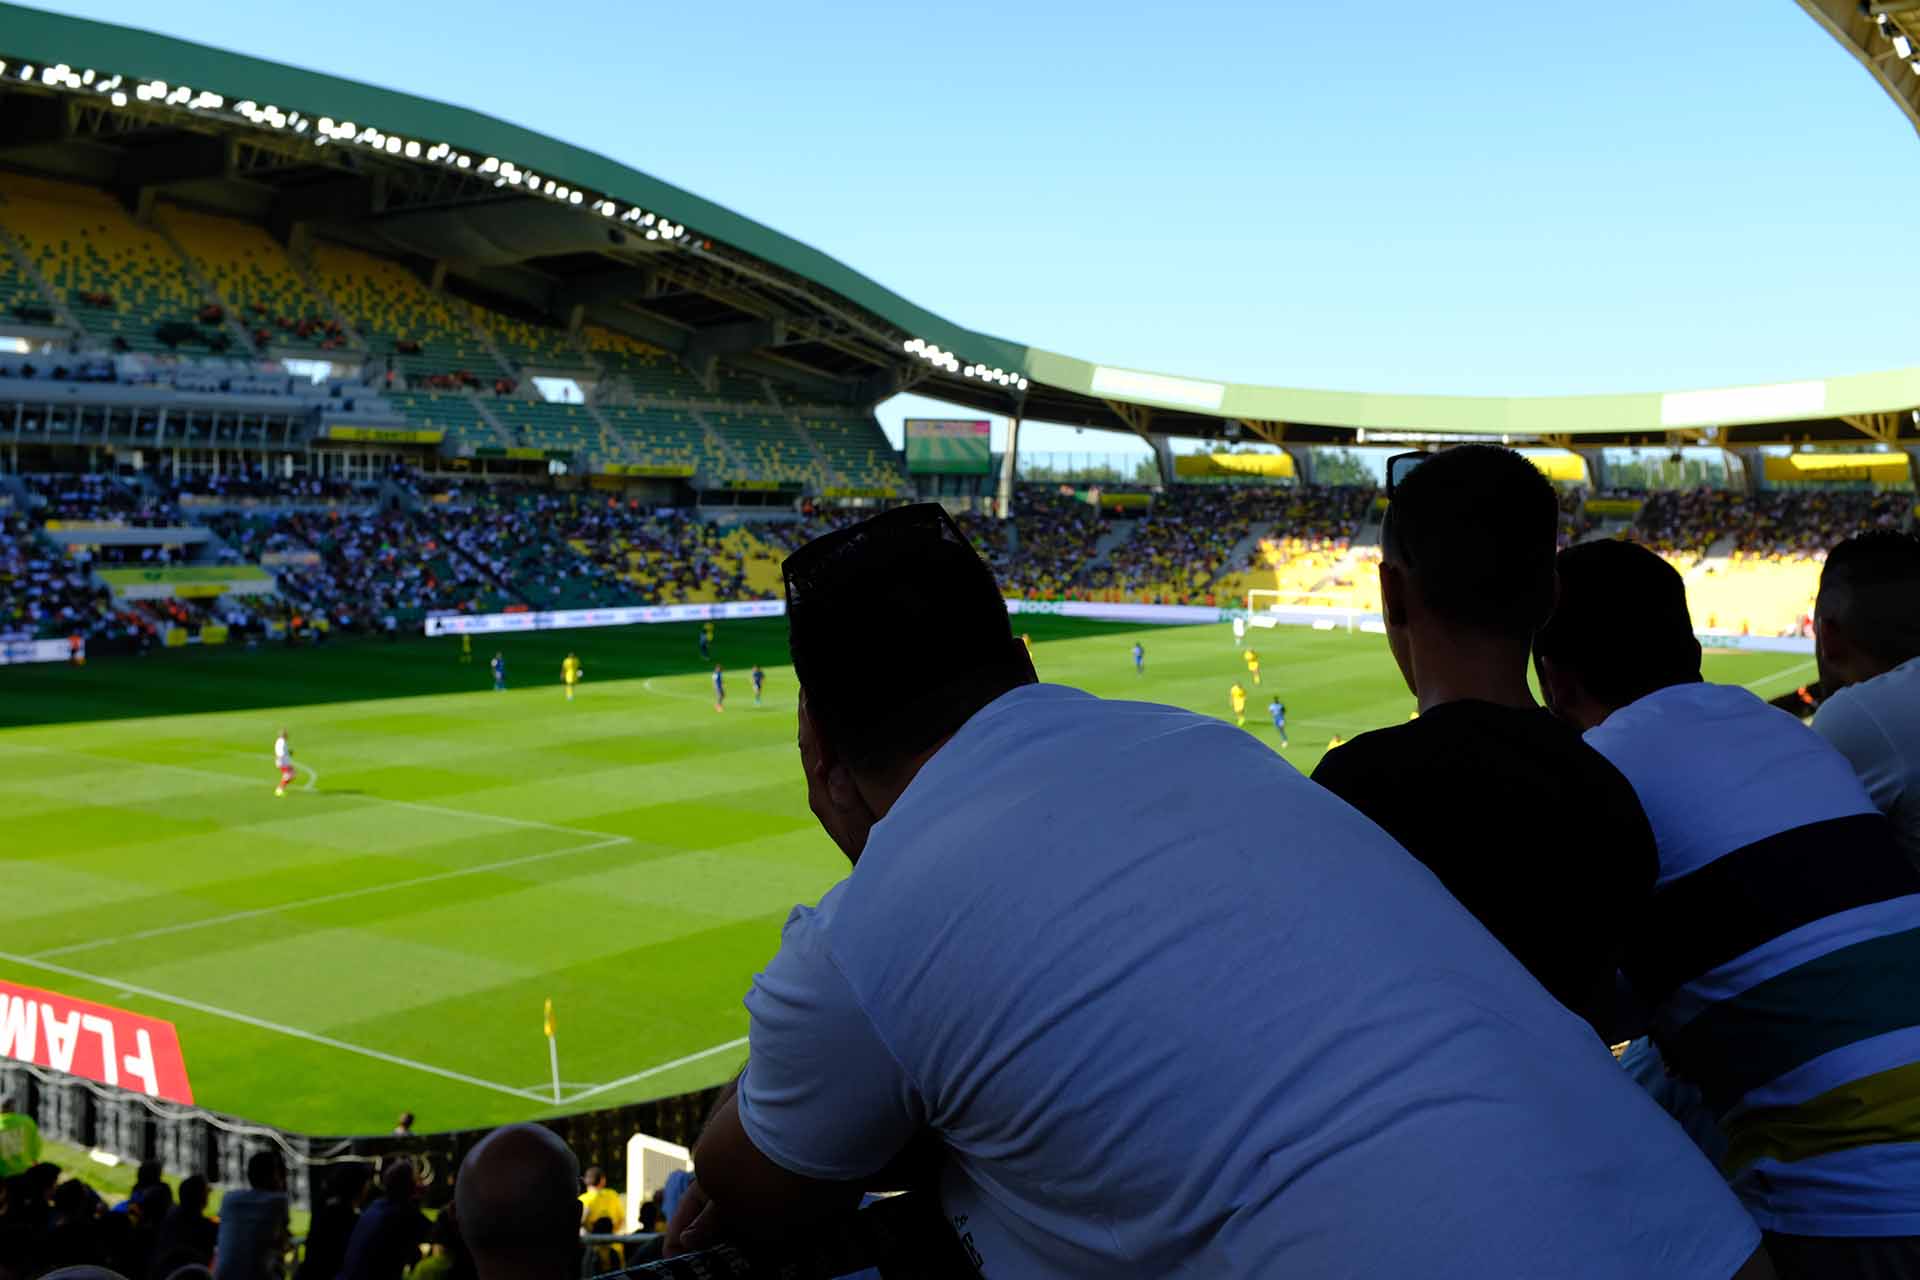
[94,1041]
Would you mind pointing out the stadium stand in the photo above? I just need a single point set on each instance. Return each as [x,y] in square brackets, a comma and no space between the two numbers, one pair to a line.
[121,282]
[538,424]
[448,411]
[663,437]
[253,277]
[414,331]
[646,372]
[531,345]
[856,448]
[769,448]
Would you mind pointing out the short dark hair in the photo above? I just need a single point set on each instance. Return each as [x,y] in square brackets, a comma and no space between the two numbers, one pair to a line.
[265,1169]
[898,632]
[1621,625]
[593,1177]
[1475,528]
[1871,586]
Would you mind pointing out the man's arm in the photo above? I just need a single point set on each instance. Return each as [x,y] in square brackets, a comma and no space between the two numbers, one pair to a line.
[822,1111]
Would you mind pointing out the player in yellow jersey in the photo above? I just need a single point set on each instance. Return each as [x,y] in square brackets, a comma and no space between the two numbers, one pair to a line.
[1253,664]
[570,673]
[466,647]
[1239,697]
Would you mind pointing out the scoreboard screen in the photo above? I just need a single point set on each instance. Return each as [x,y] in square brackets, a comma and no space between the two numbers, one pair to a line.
[949,447]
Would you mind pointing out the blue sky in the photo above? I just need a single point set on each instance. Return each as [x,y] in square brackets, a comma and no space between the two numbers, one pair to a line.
[1491,198]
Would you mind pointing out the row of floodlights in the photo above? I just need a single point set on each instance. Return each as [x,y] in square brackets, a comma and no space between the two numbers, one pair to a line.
[948,361]
[325,131]
[1902,43]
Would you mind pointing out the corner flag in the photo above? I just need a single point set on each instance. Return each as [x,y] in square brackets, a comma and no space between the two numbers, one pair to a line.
[553,1049]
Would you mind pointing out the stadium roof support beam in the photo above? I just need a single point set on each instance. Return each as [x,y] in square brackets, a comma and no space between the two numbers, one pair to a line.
[1854,25]
[188,159]
[1883,427]
[1271,432]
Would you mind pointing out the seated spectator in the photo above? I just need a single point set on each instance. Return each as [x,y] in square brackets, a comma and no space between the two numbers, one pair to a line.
[333,1221]
[386,1240]
[1472,786]
[255,1231]
[187,1237]
[447,1255]
[1866,623]
[1271,1070]
[1779,953]
[518,1211]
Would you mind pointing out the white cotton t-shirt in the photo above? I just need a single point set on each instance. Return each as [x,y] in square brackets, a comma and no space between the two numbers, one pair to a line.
[1175,1009]
[1876,725]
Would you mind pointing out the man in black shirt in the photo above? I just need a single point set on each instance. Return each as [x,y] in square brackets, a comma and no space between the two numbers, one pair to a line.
[1531,829]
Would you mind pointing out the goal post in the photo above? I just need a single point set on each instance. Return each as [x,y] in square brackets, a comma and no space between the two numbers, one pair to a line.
[1321,610]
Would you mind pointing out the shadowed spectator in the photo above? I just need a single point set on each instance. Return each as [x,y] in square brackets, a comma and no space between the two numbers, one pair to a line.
[255,1232]
[518,1207]
[1474,786]
[1778,956]
[187,1237]
[333,1221]
[448,1257]
[386,1240]
[1867,640]
[1271,1071]
[599,1200]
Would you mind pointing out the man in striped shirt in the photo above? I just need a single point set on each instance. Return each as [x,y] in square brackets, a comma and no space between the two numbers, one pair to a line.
[1779,963]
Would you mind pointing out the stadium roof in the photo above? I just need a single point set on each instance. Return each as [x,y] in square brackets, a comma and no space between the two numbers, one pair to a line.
[526,222]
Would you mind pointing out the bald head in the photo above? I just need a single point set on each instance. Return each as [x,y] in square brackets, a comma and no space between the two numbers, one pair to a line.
[517,1199]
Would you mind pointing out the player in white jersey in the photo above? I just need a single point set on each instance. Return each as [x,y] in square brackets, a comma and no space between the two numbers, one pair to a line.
[283,760]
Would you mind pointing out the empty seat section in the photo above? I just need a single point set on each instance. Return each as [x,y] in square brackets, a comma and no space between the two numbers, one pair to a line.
[768,448]
[447,411]
[395,312]
[664,437]
[252,275]
[651,372]
[856,448]
[539,425]
[537,347]
[117,278]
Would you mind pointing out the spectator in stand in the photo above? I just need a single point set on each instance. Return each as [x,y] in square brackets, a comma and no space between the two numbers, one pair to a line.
[255,1226]
[334,1220]
[188,1236]
[599,1200]
[516,1200]
[448,1257]
[1466,576]
[1271,1071]
[1867,641]
[386,1240]
[1778,957]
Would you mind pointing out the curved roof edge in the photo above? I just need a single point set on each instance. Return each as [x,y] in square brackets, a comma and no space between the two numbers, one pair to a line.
[133,52]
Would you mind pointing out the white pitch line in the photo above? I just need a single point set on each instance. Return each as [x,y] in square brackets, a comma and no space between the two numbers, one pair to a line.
[638,1076]
[297,1033]
[344,896]
[1789,672]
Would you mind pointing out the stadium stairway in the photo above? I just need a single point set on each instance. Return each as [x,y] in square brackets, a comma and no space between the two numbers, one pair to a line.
[1118,531]
[23,286]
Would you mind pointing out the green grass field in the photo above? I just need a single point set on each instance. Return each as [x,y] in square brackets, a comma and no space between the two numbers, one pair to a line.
[383,937]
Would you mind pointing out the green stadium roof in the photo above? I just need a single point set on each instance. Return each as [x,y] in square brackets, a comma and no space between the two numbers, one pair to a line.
[731,288]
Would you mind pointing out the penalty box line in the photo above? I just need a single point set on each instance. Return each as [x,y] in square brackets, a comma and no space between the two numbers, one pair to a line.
[281,1028]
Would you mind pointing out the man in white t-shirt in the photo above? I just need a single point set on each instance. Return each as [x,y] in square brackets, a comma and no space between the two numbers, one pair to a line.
[1147,1032]
[1866,627]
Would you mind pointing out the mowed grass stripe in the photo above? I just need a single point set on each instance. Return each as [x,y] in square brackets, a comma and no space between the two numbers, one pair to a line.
[325,991]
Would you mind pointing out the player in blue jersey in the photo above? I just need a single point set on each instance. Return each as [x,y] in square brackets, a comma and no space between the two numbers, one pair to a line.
[1139,659]
[719,690]
[759,678]
[1278,710]
[499,665]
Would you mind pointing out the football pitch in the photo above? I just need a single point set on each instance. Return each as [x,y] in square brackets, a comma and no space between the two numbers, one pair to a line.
[384,936]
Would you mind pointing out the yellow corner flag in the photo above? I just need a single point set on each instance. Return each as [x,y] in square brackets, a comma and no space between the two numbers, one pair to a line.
[553,1050]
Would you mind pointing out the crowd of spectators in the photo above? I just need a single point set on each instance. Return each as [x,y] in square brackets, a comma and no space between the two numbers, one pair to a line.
[49,1220]
[98,496]
[1775,523]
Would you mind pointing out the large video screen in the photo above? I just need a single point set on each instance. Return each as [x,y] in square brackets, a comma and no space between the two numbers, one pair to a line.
[949,447]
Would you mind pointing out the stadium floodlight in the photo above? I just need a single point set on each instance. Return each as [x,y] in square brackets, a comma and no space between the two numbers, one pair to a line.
[119,99]
[1902,47]
[413,150]
[86,77]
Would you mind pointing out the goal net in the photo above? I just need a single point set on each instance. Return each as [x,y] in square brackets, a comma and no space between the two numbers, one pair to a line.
[1321,610]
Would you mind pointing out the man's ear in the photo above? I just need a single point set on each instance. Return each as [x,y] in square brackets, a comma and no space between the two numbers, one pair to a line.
[1554,685]
[1393,594]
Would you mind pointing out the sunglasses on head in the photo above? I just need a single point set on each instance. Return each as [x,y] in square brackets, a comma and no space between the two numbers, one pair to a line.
[1400,466]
